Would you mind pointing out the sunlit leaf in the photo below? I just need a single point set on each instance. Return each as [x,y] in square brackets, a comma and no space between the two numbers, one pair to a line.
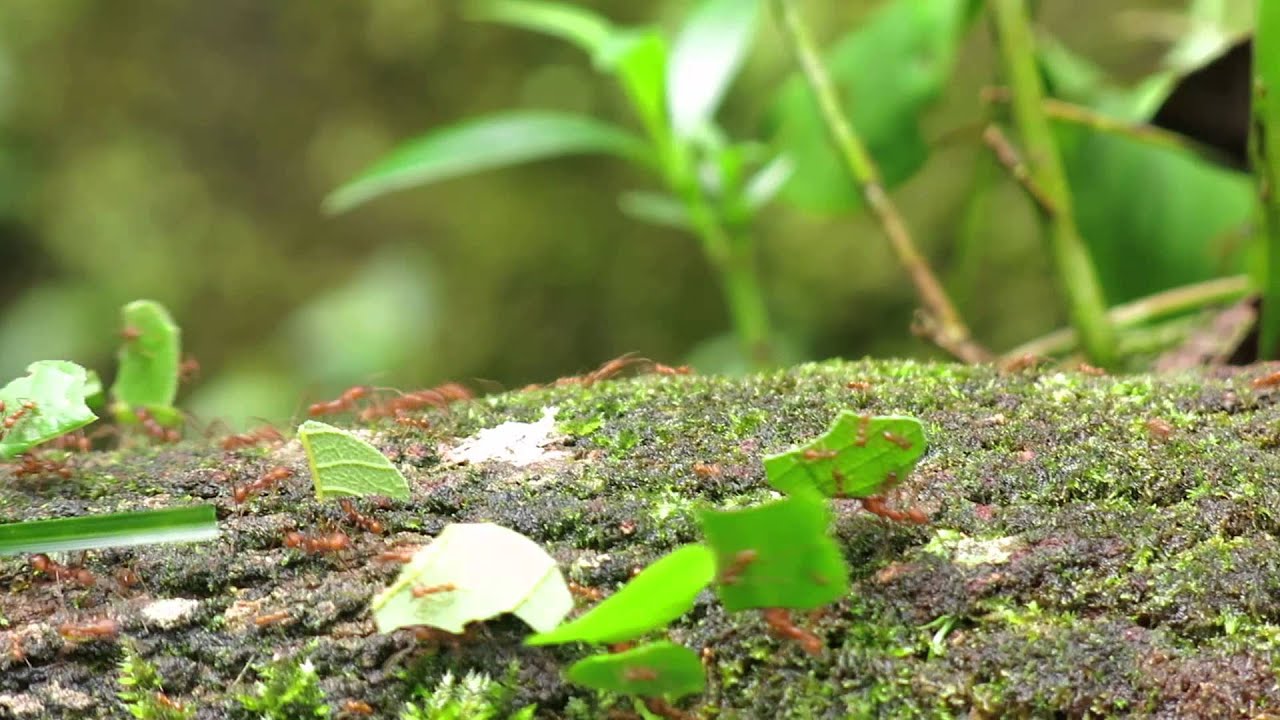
[662,592]
[56,391]
[887,72]
[149,359]
[90,532]
[706,55]
[473,572]
[568,22]
[778,555]
[343,464]
[660,669]
[859,456]
[639,59]
[484,143]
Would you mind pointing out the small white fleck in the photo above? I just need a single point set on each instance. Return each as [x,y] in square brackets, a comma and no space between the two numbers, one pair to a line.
[516,443]
[171,612]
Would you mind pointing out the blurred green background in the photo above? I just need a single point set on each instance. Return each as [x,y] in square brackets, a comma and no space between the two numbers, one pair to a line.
[180,151]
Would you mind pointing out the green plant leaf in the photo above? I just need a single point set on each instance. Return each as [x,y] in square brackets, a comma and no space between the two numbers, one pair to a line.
[475,572]
[858,457]
[705,57]
[777,555]
[656,208]
[571,23]
[662,592]
[58,389]
[887,72]
[344,465]
[660,669]
[762,187]
[484,143]
[89,532]
[149,359]
[639,60]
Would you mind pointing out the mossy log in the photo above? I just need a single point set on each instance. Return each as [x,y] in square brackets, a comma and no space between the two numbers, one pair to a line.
[1097,547]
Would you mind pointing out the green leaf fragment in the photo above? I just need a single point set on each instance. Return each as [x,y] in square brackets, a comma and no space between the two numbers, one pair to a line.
[344,465]
[777,555]
[56,390]
[860,456]
[660,669]
[484,143]
[473,572]
[89,532]
[149,359]
[662,592]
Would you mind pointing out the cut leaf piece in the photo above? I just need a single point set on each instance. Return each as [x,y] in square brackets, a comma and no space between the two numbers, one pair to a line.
[473,572]
[50,400]
[89,532]
[660,669]
[484,143]
[704,59]
[661,593]
[860,456]
[344,465]
[777,555]
[149,360]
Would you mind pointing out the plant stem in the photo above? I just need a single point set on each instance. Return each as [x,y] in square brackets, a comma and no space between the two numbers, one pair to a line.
[1085,302]
[1264,146]
[951,332]
[1144,310]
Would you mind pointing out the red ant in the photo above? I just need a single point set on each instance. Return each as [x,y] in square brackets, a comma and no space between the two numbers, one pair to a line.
[359,520]
[46,566]
[356,707]
[584,592]
[898,440]
[707,470]
[741,560]
[169,703]
[271,618]
[661,369]
[780,623]
[35,466]
[1267,381]
[262,434]
[243,492]
[1022,362]
[877,506]
[1159,429]
[343,403]
[1088,369]
[76,441]
[423,591]
[864,428]
[838,478]
[188,369]
[153,428]
[664,709]
[418,423]
[130,333]
[859,385]
[640,674]
[103,629]
[317,544]
[812,455]
[17,415]
[398,555]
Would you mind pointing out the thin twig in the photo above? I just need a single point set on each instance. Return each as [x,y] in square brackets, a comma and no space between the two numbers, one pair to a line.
[1074,266]
[1008,156]
[951,332]
[1144,310]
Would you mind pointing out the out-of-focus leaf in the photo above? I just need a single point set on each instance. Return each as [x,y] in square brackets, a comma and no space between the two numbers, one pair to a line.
[662,592]
[653,207]
[639,59]
[763,187]
[90,532]
[473,572]
[571,23]
[56,391]
[343,464]
[149,359]
[484,143]
[706,55]
[660,669]
[887,72]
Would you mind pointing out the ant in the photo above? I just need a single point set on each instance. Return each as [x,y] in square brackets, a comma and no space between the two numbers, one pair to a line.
[1159,429]
[271,618]
[859,385]
[76,441]
[153,428]
[9,422]
[877,506]
[188,369]
[343,403]
[317,544]
[242,493]
[169,703]
[44,565]
[359,520]
[356,707]
[34,466]
[1266,381]
[661,369]
[261,434]
[398,555]
[898,440]
[423,591]
[781,624]
[741,560]
[130,333]
[584,592]
[864,428]
[103,629]
[418,423]
[813,455]
[707,470]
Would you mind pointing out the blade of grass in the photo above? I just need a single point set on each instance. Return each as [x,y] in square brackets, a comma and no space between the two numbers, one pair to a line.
[1264,146]
[89,532]
[951,332]
[1075,269]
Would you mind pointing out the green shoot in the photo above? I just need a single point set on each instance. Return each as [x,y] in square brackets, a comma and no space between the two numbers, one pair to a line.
[662,592]
[344,465]
[47,402]
[473,572]
[88,532]
[860,456]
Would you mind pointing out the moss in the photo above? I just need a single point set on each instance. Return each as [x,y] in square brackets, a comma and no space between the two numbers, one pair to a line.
[1135,574]
[288,689]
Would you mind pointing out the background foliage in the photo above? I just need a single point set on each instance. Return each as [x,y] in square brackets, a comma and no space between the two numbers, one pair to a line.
[180,151]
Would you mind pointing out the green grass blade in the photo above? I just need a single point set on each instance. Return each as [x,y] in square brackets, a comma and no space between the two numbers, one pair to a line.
[181,524]
[1265,147]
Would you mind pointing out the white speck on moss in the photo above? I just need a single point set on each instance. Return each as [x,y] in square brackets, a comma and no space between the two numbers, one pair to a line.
[516,443]
[171,612]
